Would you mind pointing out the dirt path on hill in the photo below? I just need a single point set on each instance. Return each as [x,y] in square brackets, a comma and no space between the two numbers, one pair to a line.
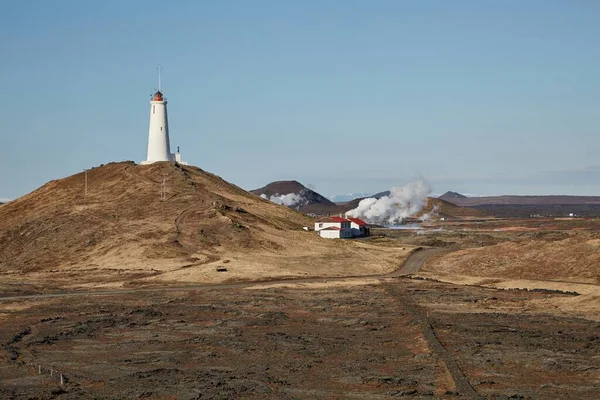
[420,316]
[136,175]
[411,265]
[183,240]
[416,260]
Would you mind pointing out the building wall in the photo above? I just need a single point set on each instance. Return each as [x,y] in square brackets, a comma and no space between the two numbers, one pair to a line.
[158,135]
[323,225]
[357,230]
[330,234]
[345,232]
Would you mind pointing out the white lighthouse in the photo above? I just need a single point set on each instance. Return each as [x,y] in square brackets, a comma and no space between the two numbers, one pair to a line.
[159,148]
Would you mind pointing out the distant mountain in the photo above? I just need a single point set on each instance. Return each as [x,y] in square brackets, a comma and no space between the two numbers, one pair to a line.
[344,198]
[381,194]
[526,206]
[315,203]
[524,200]
[354,203]
[451,196]
[279,188]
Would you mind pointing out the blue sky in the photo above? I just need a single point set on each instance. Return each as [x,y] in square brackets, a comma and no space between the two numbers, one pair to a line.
[349,96]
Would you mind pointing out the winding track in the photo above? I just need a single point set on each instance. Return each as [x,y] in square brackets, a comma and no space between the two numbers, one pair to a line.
[410,266]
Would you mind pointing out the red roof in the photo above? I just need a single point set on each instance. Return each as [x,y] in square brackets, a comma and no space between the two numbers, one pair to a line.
[158,96]
[358,221]
[333,219]
[339,219]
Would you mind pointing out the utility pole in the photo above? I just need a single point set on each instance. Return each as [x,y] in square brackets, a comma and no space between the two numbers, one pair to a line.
[85,180]
[163,191]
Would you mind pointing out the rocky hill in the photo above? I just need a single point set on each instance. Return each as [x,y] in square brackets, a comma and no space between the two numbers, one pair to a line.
[451,196]
[278,188]
[444,209]
[126,231]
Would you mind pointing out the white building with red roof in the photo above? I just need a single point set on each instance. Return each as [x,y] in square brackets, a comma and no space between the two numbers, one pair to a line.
[333,228]
[341,228]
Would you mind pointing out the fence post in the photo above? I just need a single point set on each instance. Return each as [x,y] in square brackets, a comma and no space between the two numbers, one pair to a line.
[39,369]
[62,382]
[50,371]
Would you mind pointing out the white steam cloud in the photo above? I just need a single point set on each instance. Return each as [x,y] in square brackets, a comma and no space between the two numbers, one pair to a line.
[433,213]
[402,202]
[289,200]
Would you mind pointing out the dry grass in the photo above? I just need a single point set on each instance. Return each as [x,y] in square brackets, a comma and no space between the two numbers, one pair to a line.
[121,233]
[568,265]
[574,259]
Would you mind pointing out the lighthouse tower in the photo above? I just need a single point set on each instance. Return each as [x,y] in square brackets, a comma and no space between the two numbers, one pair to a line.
[159,148]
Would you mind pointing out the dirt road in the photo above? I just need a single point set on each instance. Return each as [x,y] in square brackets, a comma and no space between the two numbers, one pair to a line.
[416,260]
[411,265]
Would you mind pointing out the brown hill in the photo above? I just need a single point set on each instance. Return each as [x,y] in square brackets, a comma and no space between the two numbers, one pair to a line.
[575,258]
[450,196]
[121,232]
[310,197]
[566,262]
[445,209]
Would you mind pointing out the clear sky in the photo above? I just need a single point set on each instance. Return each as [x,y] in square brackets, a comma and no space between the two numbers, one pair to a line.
[475,96]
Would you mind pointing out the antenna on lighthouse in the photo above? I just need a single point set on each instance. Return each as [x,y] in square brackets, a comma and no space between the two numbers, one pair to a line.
[159,69]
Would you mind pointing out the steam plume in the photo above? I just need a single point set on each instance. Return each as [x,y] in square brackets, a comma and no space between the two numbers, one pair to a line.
[289,200]
[433,213]
[402,202]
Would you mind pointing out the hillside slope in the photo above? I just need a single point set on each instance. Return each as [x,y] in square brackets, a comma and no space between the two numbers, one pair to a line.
[565,262]
[122,233]
[572,259]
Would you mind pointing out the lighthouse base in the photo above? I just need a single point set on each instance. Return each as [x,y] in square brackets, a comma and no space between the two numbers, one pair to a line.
[172,157]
